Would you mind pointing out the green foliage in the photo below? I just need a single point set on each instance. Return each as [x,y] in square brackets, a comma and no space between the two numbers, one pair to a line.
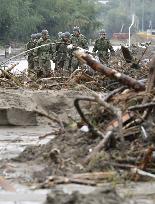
[20,18]
[118,13]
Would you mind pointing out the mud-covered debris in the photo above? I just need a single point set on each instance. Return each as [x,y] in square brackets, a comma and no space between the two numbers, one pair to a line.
[102,196]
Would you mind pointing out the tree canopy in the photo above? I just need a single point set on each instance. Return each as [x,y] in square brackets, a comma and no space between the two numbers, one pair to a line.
[117,15]
[20,18]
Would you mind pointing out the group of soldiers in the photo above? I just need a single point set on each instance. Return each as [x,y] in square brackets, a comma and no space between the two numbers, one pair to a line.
[43,51]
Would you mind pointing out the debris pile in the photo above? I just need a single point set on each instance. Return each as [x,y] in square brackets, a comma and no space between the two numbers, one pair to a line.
[90,78]
[113,140]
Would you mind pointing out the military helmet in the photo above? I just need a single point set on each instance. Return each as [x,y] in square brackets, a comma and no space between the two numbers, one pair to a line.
[62,35]
[38,35]
[44,32]
[33,36]
[59,34]
[67,34]
[76,28]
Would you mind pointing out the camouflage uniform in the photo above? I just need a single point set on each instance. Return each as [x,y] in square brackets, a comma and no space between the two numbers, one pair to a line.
[44,56]
[55,48]
[62,56]
[102,45]
[36,58]
[31,44]
[78,40]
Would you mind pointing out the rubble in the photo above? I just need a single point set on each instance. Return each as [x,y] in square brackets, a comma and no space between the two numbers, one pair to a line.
[108,134]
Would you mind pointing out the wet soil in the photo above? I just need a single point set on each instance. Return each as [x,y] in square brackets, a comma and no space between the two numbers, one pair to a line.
[59,154]
[102,196]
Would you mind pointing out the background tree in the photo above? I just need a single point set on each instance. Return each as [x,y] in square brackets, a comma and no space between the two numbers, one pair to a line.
[20,18]
[119,12]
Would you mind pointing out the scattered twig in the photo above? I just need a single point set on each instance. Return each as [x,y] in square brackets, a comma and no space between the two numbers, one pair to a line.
[137,171]
[46,135]
[95,175]
[112,93]
[10,76]
[147,158]
[103,143]
[143,106]
[151,80]
[57,180]
[49,117]
[11,83]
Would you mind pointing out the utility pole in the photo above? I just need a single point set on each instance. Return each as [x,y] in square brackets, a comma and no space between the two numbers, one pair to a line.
[142,15]
[133,21]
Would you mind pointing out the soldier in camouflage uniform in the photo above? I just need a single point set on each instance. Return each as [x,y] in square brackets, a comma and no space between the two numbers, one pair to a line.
[55,51]
[102,45]
[78,40]
[36,58]
[62,56]
[44,55]
[31,44]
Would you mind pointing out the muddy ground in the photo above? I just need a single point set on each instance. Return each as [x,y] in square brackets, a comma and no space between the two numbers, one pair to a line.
[102,196]
[58,154]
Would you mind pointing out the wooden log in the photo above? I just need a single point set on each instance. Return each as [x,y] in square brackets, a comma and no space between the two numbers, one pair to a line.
[111,73]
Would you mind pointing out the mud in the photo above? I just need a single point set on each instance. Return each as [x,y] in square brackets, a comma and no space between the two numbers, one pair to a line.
[23,132]
[62,155]
[65,151]
[102,196]
[65,154]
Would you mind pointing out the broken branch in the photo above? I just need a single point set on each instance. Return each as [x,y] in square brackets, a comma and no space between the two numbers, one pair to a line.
[111,73]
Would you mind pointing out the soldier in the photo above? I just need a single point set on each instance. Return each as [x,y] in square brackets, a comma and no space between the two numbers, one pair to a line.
[54,57]
[62,56]
[44,55]
[31,44]
[102,45]
[36,58]
[38,36]
[78,40]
